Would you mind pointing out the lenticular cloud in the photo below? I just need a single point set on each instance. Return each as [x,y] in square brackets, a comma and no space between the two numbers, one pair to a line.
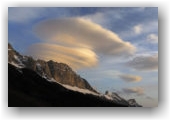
[81,35]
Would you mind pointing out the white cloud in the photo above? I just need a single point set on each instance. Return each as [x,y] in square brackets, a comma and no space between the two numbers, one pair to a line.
[24,14]
[142,28]
[152,38]
[144,62]
[138,29]
[134,90]
[130,78]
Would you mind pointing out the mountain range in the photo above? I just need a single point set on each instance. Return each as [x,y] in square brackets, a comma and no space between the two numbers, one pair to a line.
[49,83]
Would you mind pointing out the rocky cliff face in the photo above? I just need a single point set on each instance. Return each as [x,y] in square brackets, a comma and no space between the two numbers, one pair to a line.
[60,72]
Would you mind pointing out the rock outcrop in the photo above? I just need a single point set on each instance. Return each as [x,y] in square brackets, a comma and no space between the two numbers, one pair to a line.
[133,103]
[60,72]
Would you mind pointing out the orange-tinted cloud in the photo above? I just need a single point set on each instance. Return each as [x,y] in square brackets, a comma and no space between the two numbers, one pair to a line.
[134,90]
[130,78]
[74,57]
[80,40]
[78,32]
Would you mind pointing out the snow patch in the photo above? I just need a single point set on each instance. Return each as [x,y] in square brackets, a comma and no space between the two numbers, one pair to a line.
[16,58]
[16,65]
[108,97]
[38,65]
[19,61]
[44,77]
[25,59]
[53,80]
[74,88]
[114,96]
[84,91]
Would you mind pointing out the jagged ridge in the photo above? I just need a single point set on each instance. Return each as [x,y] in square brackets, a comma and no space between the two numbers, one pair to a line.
[61,72]
[23,76]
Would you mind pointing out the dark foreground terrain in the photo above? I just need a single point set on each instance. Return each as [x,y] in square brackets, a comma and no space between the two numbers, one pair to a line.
[27,89]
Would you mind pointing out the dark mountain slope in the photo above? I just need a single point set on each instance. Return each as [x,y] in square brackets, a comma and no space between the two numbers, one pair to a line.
[28,89]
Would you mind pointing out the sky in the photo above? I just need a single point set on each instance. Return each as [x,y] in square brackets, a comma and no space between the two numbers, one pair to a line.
[114,49]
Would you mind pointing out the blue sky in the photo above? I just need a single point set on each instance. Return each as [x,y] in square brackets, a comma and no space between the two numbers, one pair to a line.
[115,49]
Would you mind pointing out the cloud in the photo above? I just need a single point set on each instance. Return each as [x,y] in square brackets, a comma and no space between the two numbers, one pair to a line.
[152,38]
[24,14]
[74,57]
[81,34]
[137,29]
[144,62]
[105,17]
[143,28]
[97,17]
[149,98]
[130,78]
[134,90]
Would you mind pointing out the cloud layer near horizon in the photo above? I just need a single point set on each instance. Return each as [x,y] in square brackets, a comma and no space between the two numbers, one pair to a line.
[144,62]
[130,78]
[79,34]
[134,90]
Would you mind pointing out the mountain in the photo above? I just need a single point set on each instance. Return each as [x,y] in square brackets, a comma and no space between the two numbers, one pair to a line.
[116,98]
[50,84]
[60,72]
[133,103]
[26,88]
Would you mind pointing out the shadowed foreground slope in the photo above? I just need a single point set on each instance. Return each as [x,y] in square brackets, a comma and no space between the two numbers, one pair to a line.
[27,89]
